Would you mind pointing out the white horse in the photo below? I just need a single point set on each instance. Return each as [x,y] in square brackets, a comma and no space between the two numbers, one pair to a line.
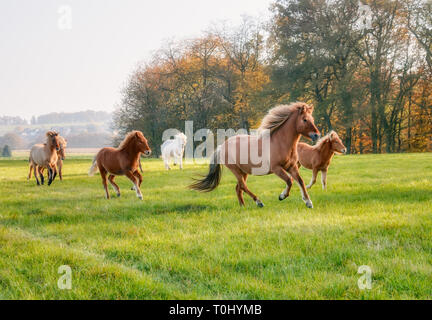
[174,148]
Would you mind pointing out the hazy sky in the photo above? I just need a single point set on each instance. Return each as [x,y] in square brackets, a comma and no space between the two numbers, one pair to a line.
[45,67]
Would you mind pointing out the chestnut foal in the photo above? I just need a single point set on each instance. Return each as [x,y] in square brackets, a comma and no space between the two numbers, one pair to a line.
[122,161]
[318,157]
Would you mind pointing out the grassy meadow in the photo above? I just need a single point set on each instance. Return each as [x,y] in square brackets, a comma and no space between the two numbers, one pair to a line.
[180,244]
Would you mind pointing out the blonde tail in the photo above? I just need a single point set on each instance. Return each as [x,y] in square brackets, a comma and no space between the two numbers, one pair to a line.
[93,168]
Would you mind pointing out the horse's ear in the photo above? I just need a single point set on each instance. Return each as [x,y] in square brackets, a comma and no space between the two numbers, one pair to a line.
[332,135]
[302,109]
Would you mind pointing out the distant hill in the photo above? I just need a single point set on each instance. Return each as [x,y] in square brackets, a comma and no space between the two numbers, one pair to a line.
[87,129]
[75,117]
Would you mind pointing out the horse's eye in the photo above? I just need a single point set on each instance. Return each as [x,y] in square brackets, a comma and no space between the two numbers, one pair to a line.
[304,120]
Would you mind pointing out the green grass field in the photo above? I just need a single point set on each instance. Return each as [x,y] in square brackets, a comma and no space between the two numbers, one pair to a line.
[179,244]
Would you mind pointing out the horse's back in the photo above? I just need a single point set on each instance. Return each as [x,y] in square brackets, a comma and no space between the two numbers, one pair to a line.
[305,154]
[37,154]
[166,145]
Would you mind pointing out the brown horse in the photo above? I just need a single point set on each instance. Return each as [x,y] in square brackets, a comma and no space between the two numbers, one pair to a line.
[45,156]
[61,155]
[122,161]
[284,125]
[318,157]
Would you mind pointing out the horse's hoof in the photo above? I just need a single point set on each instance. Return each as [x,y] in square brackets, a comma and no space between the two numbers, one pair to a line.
[282,197]
[118,195]
[260,204]
[309,204]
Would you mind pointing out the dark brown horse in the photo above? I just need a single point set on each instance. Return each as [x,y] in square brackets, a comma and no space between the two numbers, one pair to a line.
[122,161]
[284,126]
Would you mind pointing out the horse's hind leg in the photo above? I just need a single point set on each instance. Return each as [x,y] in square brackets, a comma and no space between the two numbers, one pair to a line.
[240,194]
[103,174]
[242,178]
[35,171]
[114,185]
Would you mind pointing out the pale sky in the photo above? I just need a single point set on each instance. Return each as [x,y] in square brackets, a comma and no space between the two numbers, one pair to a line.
[45,67]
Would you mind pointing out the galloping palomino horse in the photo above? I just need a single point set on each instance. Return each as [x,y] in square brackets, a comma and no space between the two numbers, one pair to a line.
[174,148]
[122,161]
[319,156]
[61,156]
[45,156]
[285,124]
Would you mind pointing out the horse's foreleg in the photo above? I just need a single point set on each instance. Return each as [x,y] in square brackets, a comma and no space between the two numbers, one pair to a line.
[54,168]
[313,180]
[139,177]
[50,173]
[114,185]
[324,179]
[140,166]
[134,180]
[281,173]
[296,176]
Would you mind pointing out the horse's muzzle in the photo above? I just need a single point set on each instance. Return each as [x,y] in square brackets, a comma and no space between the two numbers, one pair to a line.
[314,136]
[147,153]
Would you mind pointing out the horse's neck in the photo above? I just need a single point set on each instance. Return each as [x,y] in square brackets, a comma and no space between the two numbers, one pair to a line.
[49,147]
[132,151]
[326,151]
[287,136]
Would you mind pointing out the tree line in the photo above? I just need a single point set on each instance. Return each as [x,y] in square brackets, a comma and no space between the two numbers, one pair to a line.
[365,66]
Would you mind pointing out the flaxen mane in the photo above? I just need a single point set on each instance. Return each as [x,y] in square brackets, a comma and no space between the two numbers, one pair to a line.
[127,140]
[323,140]
[277,116]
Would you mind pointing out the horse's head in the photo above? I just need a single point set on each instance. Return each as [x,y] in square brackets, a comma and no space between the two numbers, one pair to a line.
[336,143]
[181,137]
[305,124]
[53,139]
[142,143]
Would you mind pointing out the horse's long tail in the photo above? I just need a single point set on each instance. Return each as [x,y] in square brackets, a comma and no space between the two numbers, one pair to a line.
[212,180]
[93,168]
